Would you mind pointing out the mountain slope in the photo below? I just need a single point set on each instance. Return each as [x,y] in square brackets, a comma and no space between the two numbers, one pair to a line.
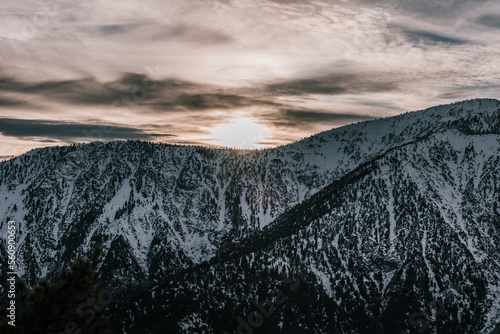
[397,211]
[408,241]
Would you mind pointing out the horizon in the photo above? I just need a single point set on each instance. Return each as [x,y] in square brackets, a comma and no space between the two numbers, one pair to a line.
[215,147]
[233,73]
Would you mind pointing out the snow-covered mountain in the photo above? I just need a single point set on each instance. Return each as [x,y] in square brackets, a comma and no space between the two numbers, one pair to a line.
[393,222]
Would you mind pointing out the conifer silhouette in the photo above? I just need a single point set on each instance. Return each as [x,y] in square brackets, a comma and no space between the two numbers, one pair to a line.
[76,304]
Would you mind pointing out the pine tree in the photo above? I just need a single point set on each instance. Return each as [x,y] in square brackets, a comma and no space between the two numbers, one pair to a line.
[75,304]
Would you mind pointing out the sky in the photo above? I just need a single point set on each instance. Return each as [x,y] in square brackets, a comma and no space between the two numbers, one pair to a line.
[238,73]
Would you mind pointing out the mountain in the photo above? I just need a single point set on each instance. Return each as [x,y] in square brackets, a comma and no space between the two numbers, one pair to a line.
[385,226]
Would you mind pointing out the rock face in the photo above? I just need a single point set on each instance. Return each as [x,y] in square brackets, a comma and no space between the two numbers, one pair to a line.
[386,226]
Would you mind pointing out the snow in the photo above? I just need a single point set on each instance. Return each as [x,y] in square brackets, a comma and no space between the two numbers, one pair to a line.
[307,166]
[324,279]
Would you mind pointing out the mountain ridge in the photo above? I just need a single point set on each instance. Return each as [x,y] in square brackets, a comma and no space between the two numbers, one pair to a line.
[443,304]
[162,209]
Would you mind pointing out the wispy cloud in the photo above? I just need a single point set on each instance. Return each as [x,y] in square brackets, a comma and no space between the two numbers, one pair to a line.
[429,38]
[7,102]
[489,20]
[29,128]
[291,117]
[334,84]
[296,67]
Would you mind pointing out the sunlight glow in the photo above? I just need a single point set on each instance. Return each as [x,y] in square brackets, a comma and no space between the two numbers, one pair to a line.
[242,133]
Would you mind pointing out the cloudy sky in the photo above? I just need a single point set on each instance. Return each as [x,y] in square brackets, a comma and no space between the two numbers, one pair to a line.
[247,73]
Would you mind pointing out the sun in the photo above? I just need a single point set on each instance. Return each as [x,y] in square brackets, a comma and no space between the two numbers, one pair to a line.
[242,133]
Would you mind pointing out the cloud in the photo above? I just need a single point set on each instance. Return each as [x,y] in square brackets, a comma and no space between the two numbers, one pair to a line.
[7,102]
[112,29]
[29,128]
[86,91]
[215,101]
[426,37]
[429,9]
[309,120]
[334,84]
[490,20]
[300,66]
[309,116]
[192,33]
[307,86]
[132,90]
[452,95]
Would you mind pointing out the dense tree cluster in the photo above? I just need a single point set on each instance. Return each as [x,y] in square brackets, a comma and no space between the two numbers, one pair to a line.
[75,303]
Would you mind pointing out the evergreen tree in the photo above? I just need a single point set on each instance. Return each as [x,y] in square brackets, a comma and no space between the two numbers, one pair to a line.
[75,304]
